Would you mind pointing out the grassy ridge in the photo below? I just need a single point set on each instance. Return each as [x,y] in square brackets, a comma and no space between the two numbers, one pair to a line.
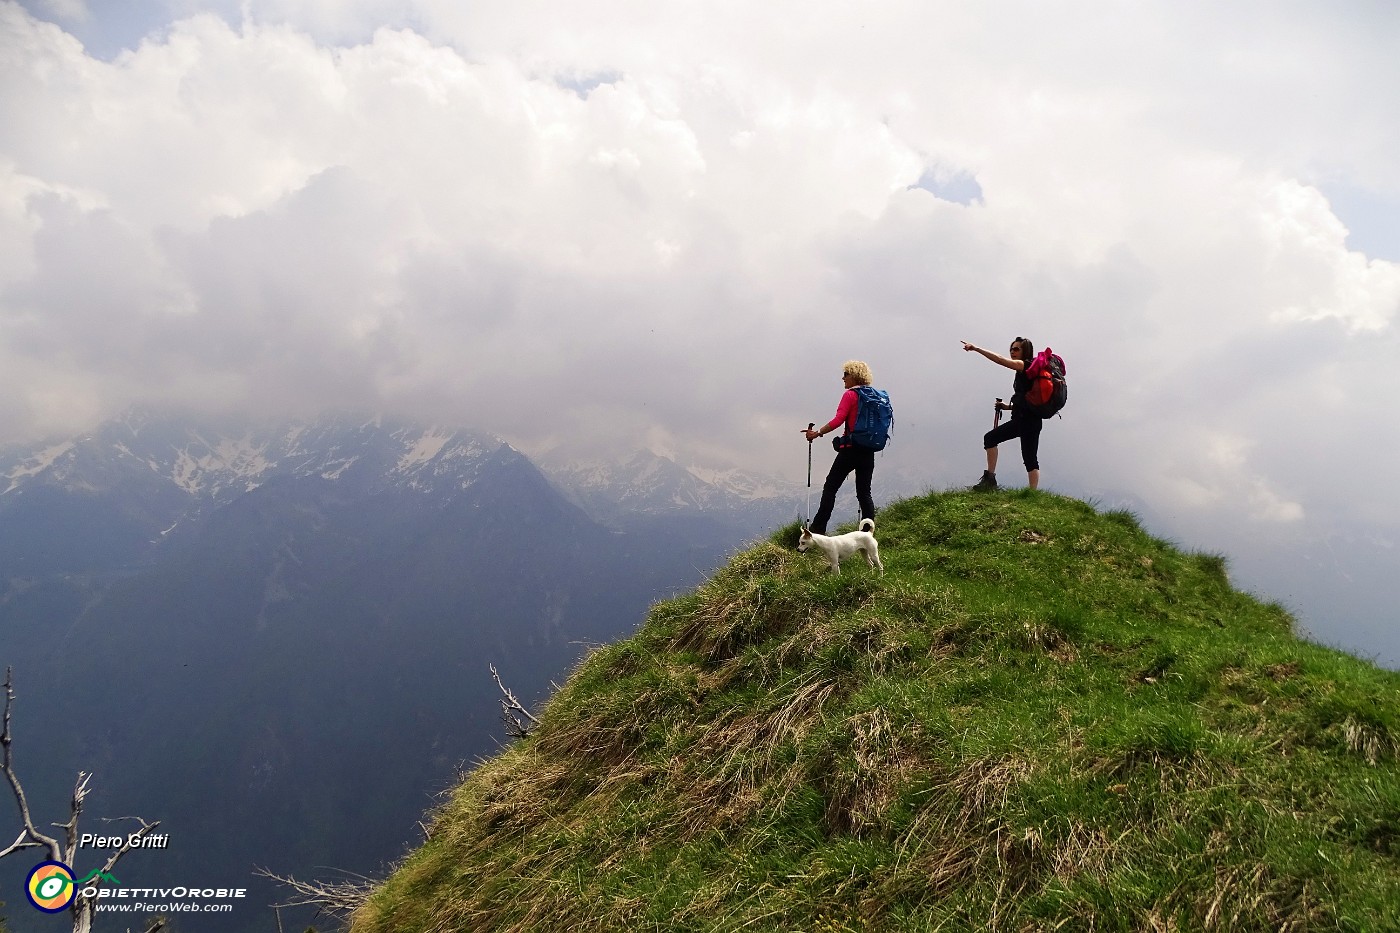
[1040,717]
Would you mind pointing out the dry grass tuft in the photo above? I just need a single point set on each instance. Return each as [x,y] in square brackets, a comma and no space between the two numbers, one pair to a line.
[524,799]
[731,770]
[1371,741]
[961,812]
[858,799]
[740,607]
[1251,897]
[984,784]
[600,737]
[931,872]
[1042,636]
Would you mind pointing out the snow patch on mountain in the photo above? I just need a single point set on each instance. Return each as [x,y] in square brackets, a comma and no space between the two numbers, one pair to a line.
[336,467]
[424,449]
[36,463]
[202,468]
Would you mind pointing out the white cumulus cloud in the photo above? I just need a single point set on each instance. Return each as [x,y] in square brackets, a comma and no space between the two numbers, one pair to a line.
[657,223]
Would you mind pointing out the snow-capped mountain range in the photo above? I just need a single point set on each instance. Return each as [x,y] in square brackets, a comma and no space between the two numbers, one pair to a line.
[179,467]
[213,465]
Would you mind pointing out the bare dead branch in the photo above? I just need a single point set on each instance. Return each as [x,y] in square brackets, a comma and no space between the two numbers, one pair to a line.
[341,897]
[131,839]
[29,836]
[75,810]
[512,710]
[23,842]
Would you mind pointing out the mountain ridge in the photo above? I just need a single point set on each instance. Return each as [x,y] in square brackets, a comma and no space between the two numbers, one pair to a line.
[1040,717]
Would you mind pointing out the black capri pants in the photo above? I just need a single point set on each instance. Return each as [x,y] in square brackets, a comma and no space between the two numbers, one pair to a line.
[858,459]
[1027,428]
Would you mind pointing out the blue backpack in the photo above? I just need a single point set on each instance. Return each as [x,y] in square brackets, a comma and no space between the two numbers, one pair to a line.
[874,421]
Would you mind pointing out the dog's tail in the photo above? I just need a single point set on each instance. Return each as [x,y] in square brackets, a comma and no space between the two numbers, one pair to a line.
[867,524]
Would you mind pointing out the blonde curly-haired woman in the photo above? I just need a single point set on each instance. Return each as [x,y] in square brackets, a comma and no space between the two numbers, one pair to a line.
[849,457]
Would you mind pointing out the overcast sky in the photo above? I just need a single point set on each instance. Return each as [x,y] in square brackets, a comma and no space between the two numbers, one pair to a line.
[669,223]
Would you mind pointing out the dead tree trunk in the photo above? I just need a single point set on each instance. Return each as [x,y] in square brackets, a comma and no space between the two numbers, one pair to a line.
[62,850]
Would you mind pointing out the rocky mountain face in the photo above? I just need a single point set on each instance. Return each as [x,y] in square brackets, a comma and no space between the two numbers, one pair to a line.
[275,640]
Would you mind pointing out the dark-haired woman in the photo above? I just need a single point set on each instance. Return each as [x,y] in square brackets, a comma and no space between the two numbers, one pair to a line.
[1022,424]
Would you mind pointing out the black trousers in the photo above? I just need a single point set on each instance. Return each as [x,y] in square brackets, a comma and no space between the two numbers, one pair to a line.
[1027,428]
[860,459]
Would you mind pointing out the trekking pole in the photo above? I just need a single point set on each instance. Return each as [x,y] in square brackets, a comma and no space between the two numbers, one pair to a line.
[808,513]
[996,415]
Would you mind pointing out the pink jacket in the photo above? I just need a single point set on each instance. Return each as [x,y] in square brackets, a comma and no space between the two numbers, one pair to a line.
[846,411]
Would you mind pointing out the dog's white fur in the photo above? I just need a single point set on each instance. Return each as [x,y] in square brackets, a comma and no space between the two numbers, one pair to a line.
[837,548]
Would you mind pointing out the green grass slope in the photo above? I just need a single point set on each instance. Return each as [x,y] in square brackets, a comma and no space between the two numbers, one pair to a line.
[1039,718]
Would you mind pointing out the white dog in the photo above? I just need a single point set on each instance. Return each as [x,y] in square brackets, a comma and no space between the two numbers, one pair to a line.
[838,547]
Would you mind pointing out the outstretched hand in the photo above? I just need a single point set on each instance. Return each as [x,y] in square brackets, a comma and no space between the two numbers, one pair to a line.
[970,347]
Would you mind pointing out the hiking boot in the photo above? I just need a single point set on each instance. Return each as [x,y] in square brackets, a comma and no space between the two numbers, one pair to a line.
[988,482]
